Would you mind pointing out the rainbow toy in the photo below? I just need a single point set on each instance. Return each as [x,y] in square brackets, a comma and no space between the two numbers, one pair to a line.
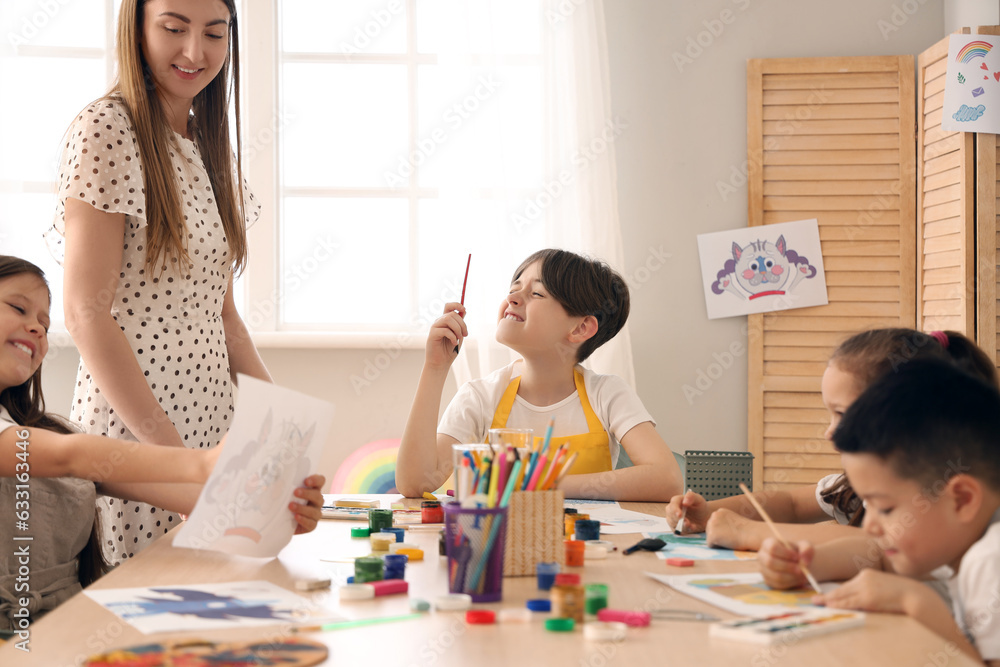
[370,468]
[977,49]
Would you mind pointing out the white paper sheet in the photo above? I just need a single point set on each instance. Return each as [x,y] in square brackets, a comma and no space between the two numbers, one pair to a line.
[274,443]
[972,85]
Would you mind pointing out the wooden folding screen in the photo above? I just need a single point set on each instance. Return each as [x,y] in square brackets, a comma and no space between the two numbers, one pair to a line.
[946,201]
[831,139]
[988,244]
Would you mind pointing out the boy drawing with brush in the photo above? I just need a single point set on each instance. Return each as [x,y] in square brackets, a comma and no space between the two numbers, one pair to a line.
[921,448]
[560,308]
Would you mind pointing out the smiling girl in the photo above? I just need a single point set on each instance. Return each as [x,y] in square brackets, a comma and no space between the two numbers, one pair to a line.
[152,222]
[48,471]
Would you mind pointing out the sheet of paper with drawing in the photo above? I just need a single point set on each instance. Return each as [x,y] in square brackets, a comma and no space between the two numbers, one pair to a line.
[745,594]
[695,548]
[274,443]
[209,606]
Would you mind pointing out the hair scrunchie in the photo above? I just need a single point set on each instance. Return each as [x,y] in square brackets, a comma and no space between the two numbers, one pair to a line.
[941,337]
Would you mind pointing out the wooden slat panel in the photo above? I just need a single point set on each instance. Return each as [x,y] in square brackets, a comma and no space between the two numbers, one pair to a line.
[874,215]
[819,339]
[831,127]
[834,188]
[987,260]
[952,160]
[943,243]
[830,111]
[942,227]
[797,475]
[824,157]
[832,157]
[797,416]
[830,143]
[836,97]
[785,399]
[773,459]
[854,279]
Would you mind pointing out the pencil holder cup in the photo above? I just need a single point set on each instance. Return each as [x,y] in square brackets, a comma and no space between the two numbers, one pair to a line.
[534,532]
[474,545]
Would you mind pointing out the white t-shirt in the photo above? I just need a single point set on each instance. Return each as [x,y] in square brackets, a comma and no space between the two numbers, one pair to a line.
[975,592]
[470,414]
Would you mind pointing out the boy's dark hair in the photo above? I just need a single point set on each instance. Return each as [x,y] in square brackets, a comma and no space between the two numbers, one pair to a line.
[583,287]
[26,406]
[928,421]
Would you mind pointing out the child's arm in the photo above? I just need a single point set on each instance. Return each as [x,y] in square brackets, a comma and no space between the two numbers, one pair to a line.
[424,459]
[653,477]
[182,498]
[878,591]
[728,529]
[242,353]
[796,506]
[834,561]
[36,452]
[92,265]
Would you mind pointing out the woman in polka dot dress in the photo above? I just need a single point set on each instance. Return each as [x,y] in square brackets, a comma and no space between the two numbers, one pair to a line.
[152,228]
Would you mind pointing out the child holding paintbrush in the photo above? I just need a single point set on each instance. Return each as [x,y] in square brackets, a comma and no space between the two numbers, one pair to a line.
[560,308]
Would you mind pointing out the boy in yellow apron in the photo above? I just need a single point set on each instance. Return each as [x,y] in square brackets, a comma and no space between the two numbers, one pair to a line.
[560,308]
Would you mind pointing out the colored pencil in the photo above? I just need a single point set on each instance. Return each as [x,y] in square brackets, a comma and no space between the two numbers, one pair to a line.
[465,282]
[774,529]
[565,470]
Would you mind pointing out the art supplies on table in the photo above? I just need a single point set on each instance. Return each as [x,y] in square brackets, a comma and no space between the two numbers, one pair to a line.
[695,547]
[745,594]
[618,521]
[787,627]
[206,607]
[275,442]
[202,653]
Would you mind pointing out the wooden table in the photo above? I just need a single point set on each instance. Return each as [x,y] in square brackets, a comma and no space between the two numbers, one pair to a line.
[82,627]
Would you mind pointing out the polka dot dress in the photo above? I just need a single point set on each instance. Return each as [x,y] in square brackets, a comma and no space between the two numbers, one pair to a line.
[173,321]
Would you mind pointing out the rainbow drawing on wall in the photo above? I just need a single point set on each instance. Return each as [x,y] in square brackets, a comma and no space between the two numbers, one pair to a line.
[977,49]
[370,468]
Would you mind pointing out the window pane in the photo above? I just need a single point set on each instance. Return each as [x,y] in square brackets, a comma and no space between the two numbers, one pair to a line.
[343,26]
[36,137]
[53,23]
[480,127]
[479,26]
[23,219]
[346,124]
[345,261]
[449,229]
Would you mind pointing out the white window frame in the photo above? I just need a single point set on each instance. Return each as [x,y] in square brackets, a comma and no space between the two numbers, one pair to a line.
[261,281]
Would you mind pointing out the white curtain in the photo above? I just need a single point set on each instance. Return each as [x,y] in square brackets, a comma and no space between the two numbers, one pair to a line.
[576,202]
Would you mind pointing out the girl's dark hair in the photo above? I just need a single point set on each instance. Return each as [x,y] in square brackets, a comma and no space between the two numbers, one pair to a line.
[872,355]
[584,286]
[26,406]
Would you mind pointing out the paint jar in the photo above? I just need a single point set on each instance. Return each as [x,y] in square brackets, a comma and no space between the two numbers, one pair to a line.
[395,566]
[587,529]
[379,519]
[568,602]
[431,512]
[595,598]
[368,568]
[546,573]
[574,553]
[570,515]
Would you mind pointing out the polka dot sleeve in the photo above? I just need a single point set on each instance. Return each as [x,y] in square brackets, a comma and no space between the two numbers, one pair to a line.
[100,166]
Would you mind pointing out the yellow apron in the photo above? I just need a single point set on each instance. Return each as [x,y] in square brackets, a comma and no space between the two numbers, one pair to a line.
[591,449]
